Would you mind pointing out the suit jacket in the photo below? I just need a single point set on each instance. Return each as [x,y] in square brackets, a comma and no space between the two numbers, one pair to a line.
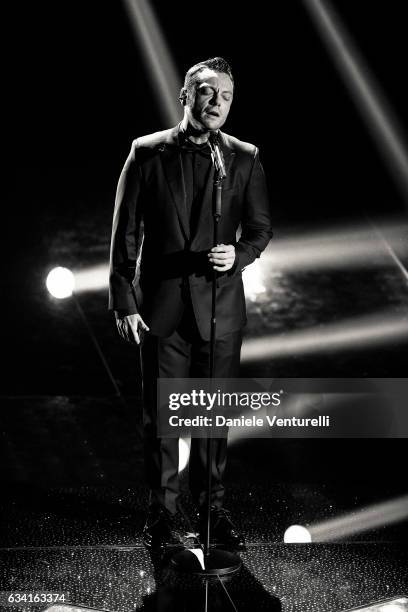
[155,258]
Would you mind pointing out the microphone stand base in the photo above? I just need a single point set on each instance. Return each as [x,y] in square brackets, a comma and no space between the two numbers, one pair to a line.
[216,563]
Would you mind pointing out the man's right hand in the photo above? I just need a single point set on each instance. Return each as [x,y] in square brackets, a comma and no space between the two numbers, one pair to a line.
[129,327]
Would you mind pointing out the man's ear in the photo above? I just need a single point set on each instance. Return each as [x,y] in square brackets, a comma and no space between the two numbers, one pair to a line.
[183,96]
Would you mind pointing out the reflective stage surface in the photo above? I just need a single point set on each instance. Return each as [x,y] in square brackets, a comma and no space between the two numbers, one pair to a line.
[391,605]
[274,577]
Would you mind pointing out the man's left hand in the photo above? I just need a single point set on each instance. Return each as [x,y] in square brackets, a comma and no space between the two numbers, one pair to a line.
[222,257]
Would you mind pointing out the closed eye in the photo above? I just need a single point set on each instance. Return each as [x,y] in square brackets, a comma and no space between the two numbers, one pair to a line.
[207,91]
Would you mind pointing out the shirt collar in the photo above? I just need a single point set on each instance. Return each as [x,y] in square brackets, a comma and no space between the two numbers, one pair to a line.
[188,145]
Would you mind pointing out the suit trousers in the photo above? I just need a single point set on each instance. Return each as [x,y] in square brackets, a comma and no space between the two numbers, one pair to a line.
[184,354]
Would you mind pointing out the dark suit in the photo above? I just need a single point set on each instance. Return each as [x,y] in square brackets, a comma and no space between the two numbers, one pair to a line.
[159,268]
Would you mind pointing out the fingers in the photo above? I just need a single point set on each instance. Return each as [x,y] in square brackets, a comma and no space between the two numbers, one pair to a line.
[137,324]
[222,265]
[129,328]
[124,329]
[223,248]
[224,268]
[222,257]
[143,324]
[221,262]
[134,331]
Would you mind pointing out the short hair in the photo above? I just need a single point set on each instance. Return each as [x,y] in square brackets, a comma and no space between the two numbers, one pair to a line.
[215,63]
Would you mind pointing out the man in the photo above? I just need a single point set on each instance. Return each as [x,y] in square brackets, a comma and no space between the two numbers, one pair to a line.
[162,258]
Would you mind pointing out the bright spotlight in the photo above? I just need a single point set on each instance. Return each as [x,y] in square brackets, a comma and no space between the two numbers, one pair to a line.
[253,281]
[184,453]
[370,100]
[352,246]
[91,279]
[389,605]
[60,283]
[296,534]
[354,333]
[160,66]
[360,520]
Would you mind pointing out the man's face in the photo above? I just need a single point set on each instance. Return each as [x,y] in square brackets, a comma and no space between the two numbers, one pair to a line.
[210,102]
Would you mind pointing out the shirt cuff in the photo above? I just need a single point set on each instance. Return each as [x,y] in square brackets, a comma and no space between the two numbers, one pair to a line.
[123,312]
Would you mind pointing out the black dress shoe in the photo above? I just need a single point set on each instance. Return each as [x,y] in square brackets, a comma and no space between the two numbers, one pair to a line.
[162,529]
[223,532]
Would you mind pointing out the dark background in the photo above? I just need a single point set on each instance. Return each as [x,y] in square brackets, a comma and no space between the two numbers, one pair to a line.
[77,93]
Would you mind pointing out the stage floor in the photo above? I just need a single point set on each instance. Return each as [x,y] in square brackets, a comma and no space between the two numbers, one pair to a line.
[73,505]
[291,578]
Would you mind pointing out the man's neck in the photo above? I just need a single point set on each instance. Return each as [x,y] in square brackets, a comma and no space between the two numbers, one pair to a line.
[195,135]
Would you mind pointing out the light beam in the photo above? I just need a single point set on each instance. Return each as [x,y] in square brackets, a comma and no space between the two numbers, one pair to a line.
[360,520]
[365,91]
[184,453]
[365,331]
[160,68]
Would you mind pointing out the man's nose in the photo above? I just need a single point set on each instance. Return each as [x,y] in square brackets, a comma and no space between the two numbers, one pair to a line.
[216,99]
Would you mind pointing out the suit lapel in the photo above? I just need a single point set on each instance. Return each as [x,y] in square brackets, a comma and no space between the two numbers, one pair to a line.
[173,171]
[205,215]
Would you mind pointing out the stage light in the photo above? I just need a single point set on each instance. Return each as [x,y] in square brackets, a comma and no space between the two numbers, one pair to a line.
[184,453]
[344,248]
[160,67]
[91,279]
[352,246]
[60,283]
[360,520]
[356,333]
[297,534]
[253,280]
[399,604]
[368,97]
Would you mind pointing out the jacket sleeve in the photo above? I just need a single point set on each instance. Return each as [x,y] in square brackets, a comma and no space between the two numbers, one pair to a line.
[256,223]
[127,237]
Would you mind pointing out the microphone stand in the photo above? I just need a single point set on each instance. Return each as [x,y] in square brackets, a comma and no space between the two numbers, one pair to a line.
[217,562]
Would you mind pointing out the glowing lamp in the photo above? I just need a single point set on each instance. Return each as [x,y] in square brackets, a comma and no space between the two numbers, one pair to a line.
[184,453]
[296,534]
[60,283]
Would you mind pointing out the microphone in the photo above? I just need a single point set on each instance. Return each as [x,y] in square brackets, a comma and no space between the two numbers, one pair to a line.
[217,156]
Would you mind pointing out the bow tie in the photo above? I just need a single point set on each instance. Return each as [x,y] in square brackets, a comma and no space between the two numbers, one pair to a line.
[191,147]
